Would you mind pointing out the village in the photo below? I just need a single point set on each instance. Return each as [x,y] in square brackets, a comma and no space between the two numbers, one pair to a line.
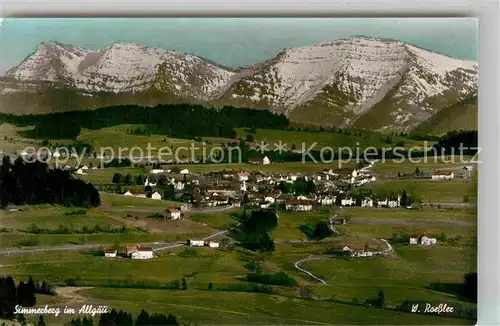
[293,192]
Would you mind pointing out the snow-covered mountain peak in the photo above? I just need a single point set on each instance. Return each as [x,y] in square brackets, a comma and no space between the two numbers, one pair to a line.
[340,82]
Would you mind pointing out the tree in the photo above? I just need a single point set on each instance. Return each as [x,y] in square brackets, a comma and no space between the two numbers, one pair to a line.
[322,230]
[261,221]
[139,180]
[266,244]
[210,286]
[184,283]
[470,286]
[169,192]
[381,298]
[249,138]
[41,321]
[404,199]
[117,178]
[417,170]
[128,179]
[142,319]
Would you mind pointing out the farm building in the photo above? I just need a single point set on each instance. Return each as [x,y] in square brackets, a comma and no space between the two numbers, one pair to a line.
[213,244]
[173,213]
[131,250]
[423,239]
[111,253]
[156,195]
[443,175]
[143,253]
[357,250]
[196,243]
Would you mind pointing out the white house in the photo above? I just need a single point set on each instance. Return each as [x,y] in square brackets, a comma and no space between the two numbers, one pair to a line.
[85,167]
[357,250]
[424,239]
[367,202]
[292,177]
[156,171]
[382,203]
[156,195]
[266,160]
[427,241]
[196,243]
[111,253]
[80,171]
[213,244]
[394,203]
[184,171]
[143,253]
[173,213]
[414,240]
[326,200]
[300,205]
[443,175]
[348,202]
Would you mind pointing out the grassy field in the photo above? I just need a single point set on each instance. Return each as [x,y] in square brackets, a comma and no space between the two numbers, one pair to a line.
[105,176]
[46,216]
[290,222]
[219,220]
[453,214]
[430,191]
[233,308]
[408,276]
[324,139]
[390,168]
[129,201]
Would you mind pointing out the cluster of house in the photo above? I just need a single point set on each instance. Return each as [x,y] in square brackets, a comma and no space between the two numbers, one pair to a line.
[304,204]
[358,250]
[133,252]
[202,243]
[256,189]
[449,175]
[424,239]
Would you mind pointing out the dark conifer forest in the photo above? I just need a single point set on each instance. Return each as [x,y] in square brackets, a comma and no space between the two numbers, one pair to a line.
[175,120]
[35,183]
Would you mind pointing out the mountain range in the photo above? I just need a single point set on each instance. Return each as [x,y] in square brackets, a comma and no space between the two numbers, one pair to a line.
[356,82]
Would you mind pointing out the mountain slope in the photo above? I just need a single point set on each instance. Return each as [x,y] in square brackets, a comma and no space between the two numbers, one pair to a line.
[122,68]
[459,116]
[354,82]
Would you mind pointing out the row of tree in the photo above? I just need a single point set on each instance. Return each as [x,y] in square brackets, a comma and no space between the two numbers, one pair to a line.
[35,183]
[24,294]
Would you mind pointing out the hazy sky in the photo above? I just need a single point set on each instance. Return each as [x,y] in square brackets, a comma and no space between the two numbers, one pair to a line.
[232,41]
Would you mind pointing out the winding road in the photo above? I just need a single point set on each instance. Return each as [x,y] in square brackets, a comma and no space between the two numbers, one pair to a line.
[297,265]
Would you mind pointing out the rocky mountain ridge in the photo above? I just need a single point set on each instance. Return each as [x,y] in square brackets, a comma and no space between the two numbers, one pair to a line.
[353,82]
